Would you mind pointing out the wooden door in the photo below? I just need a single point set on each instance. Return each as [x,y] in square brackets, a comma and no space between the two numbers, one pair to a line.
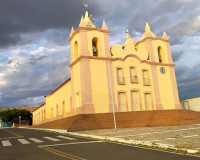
[135,99]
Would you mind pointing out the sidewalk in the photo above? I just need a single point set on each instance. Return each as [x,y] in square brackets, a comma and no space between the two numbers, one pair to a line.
[177,136]
[182,139]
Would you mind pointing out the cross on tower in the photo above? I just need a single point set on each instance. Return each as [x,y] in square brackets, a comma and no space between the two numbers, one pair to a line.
[85,6]
[127,32]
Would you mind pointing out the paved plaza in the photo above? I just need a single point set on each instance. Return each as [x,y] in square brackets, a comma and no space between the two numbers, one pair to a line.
[187,136]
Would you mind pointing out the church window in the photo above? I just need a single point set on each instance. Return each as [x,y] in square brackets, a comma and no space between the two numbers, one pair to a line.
[160,55]
[75,50]
[44,114]
[63,104]
[77,99]
[146,79]
[70,102]
[52,113]
[95,47]
[56,110]
[133,75]
[120,76]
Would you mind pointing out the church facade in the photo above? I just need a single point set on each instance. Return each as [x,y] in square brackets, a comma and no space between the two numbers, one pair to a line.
[136,76]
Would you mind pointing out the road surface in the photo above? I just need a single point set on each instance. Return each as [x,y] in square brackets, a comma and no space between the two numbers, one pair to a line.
[27,144]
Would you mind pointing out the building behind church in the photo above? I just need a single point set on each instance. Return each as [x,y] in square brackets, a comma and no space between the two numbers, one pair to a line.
[135,76]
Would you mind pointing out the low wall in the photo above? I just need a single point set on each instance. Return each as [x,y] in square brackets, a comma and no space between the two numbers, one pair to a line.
[124,120]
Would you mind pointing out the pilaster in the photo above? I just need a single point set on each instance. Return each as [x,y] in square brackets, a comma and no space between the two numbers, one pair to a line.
[156,88]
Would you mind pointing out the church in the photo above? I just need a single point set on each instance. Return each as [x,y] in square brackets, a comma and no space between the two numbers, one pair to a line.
[134,76]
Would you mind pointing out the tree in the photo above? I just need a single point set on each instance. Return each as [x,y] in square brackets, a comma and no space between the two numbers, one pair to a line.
[13,115]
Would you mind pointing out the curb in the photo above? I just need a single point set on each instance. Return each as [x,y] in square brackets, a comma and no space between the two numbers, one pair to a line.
[121,140]
[133,142]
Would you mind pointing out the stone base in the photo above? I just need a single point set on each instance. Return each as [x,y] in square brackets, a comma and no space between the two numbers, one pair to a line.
[153,118]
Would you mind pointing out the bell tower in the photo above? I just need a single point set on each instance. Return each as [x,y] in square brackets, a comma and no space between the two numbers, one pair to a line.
[89,45]
[162,68]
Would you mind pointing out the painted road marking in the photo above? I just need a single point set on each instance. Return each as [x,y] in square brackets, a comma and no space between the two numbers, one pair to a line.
[13,133]
[62,154]
[6,143]
[191,136]
[64,144]
[10,137]
[64,137]
[36,140]
[23,141]
[51,139]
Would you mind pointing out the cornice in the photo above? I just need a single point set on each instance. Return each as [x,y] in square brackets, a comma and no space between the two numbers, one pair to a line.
[87,29]
[118,59]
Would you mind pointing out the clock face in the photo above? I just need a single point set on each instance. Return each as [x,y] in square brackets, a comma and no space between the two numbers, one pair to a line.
[162,70]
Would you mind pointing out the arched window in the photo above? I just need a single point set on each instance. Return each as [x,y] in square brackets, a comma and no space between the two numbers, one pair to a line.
[75,50]
[56,110]
[95,47]
[160,55]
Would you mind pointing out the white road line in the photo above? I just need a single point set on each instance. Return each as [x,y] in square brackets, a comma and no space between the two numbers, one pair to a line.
[10,137]
[23,141]
[36,140]
[51,139]
[64,144]
[64,137]
[191,136]
[6,143]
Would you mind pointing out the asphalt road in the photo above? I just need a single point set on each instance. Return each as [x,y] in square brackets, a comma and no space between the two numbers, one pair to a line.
[26,144]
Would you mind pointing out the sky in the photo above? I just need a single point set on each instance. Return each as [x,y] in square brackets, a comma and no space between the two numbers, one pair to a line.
[35,52]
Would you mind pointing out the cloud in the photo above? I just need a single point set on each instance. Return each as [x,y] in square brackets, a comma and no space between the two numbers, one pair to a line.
[21,17]
[179,18]
[35,53]
[26,81]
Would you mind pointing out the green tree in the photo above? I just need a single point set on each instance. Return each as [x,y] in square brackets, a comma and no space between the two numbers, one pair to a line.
[13,115]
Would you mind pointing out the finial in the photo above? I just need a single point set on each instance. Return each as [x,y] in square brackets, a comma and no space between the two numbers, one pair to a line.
[72,31]
[104,26]
[86,14]
[82,22]
[128,33]
[165,36]
[147,28]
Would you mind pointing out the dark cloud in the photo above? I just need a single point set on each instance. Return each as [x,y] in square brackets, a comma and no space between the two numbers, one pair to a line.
[33,59]
[176,55]
[28,16]
[187,80]
[178,18]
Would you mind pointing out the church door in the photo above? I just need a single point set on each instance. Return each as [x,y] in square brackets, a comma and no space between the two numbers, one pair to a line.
[122,102]
[135,99]
[148,101]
